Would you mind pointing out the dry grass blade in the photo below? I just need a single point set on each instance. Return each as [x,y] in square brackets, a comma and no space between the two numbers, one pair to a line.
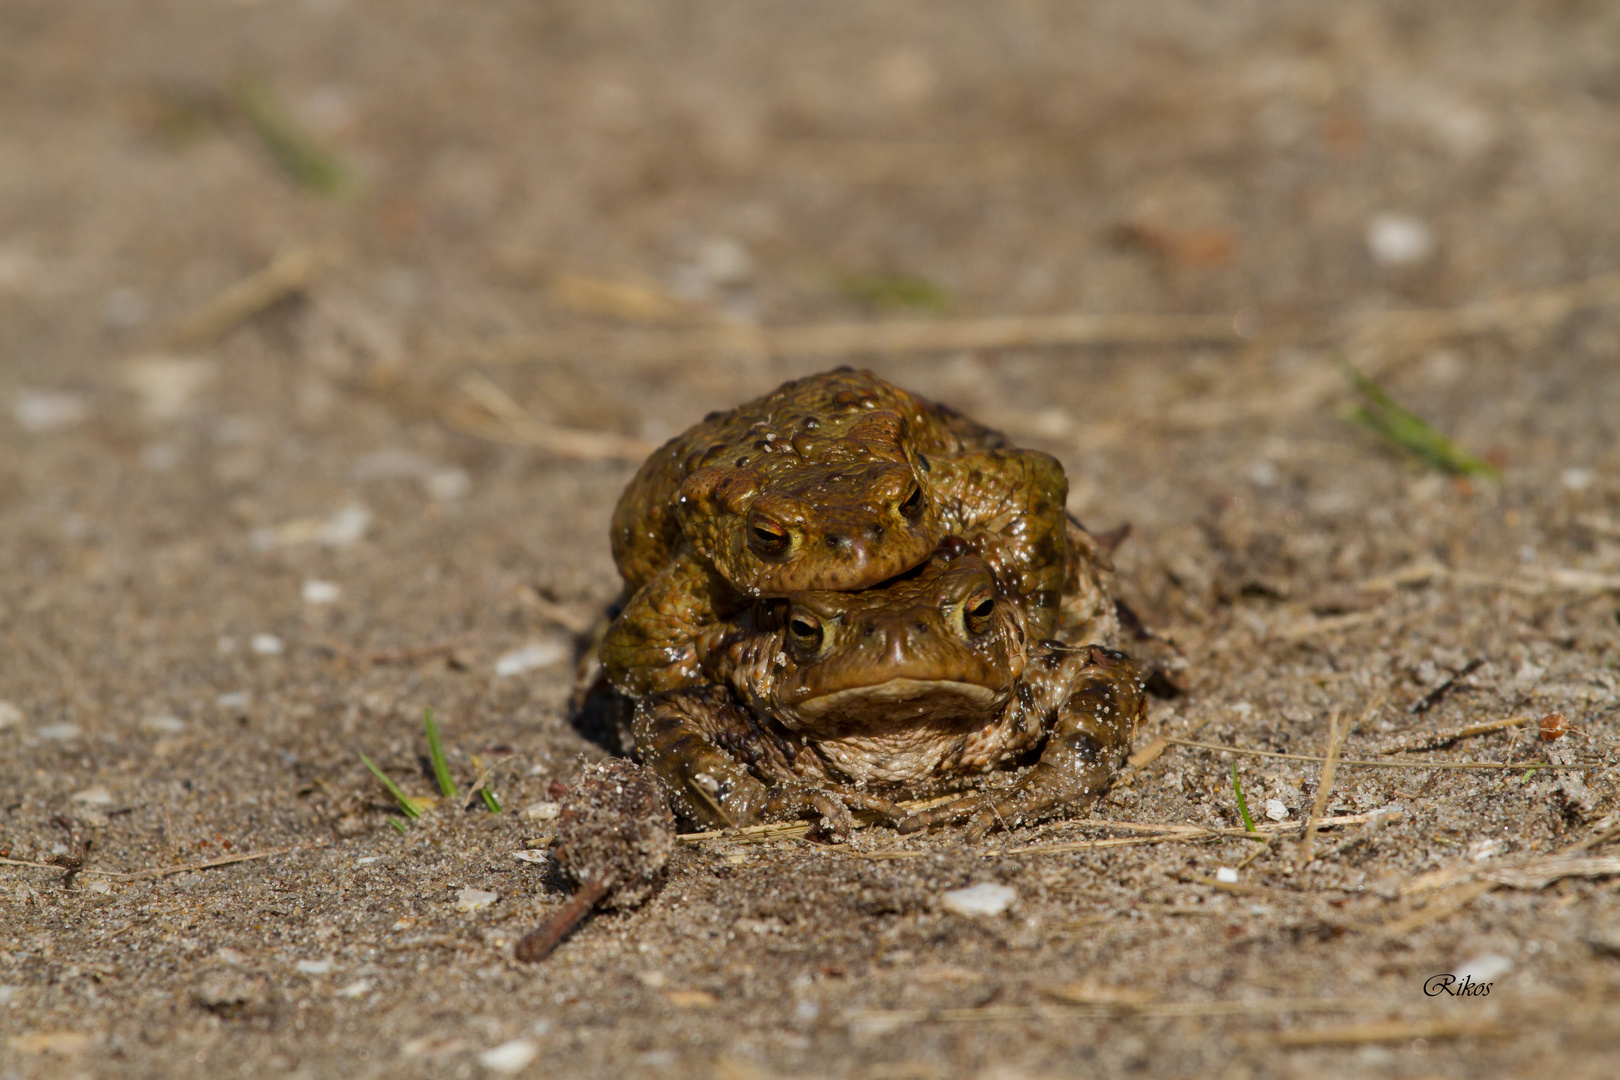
[793,830]
[1442,906]
[1385,1031]
[1369,339]
[1363,763]
[1172,833]
[829,341]
[1324,785]
[886,1019]
[291,271]
[488,412]
[1441,739]
[181,868]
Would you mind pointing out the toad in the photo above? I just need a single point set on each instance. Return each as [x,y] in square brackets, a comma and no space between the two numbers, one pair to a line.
[830,701]
[838,481]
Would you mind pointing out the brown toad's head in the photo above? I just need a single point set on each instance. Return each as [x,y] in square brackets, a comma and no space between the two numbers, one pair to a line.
[838,526]
[939,647]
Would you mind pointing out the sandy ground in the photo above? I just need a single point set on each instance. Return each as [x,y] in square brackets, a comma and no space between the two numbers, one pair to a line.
[235,556]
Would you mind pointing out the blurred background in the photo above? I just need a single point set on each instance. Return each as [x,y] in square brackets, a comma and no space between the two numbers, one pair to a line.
[330,331]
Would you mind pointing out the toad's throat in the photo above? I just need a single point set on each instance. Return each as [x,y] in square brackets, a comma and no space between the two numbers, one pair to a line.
[932,702]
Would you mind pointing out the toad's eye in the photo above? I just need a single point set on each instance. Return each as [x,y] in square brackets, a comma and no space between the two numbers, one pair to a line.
[768,538]
[805,631]
[913,505]
[976,616]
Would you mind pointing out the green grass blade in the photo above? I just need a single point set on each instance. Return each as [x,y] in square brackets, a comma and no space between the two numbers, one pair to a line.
[490,800]
[405,804]
[1383,415]
[441,769]
[1243,806]
[399,825]
[893,291]
[310,165]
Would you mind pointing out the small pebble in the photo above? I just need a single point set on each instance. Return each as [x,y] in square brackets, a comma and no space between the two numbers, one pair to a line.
[313,967]
[229,956]
[367,860]
[1276,810]
[542,811]
[357,989]
[10,715]
[40,411]
[1399,240]
[163,725]
[1483,969]
[536,654]
[1226,875]
[470,900]
[320,592]
[267,645]
[236,699]
[511,1057]
[1578,479]
[346,527]
[446,485]
[93,796]
[59,732]
[167,385]
[986,898]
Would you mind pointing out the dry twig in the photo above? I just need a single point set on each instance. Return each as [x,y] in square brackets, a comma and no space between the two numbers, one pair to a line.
[291,271]
[1324,785]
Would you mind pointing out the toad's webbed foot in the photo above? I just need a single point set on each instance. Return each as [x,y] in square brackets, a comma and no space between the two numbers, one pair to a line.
[725,768]
[1089,734]
[657,642]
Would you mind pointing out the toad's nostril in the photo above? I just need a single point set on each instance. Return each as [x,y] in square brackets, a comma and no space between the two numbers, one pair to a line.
[837,542]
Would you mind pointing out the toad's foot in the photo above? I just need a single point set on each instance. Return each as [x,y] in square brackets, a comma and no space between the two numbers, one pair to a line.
[1089,737]
[727,768]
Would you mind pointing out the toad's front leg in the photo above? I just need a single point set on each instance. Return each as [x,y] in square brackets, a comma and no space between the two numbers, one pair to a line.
[725,768]
[1095,700]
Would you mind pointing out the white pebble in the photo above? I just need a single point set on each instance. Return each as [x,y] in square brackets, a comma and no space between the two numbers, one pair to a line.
[1226,875]
[1276,810]
[267,645]
[39,411]
[357,989]
[985,898]
[1482,969]
[447,485]
[536,654]
[59,732]
[236,699]
[1399,240]
[1578,479]
[367,860]
[166,385]
[469,900]
[100,886]
[93,796]
[163,725]
[534,858]
[9,715]
[313,967]
[320,592]
[511,1057]
[346,527]
[542,811]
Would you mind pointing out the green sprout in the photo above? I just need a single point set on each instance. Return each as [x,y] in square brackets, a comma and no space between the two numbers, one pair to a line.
[410,809]
[310,165]
[1243,806]
[441,769]
[1384,416]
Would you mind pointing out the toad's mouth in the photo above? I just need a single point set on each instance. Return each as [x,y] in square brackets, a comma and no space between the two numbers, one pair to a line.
[903,699]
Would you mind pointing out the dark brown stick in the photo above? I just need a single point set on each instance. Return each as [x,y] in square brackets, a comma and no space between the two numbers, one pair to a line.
[537,944]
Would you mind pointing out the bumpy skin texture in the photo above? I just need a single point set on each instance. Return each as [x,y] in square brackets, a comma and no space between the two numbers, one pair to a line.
[831,701]
[838,481]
